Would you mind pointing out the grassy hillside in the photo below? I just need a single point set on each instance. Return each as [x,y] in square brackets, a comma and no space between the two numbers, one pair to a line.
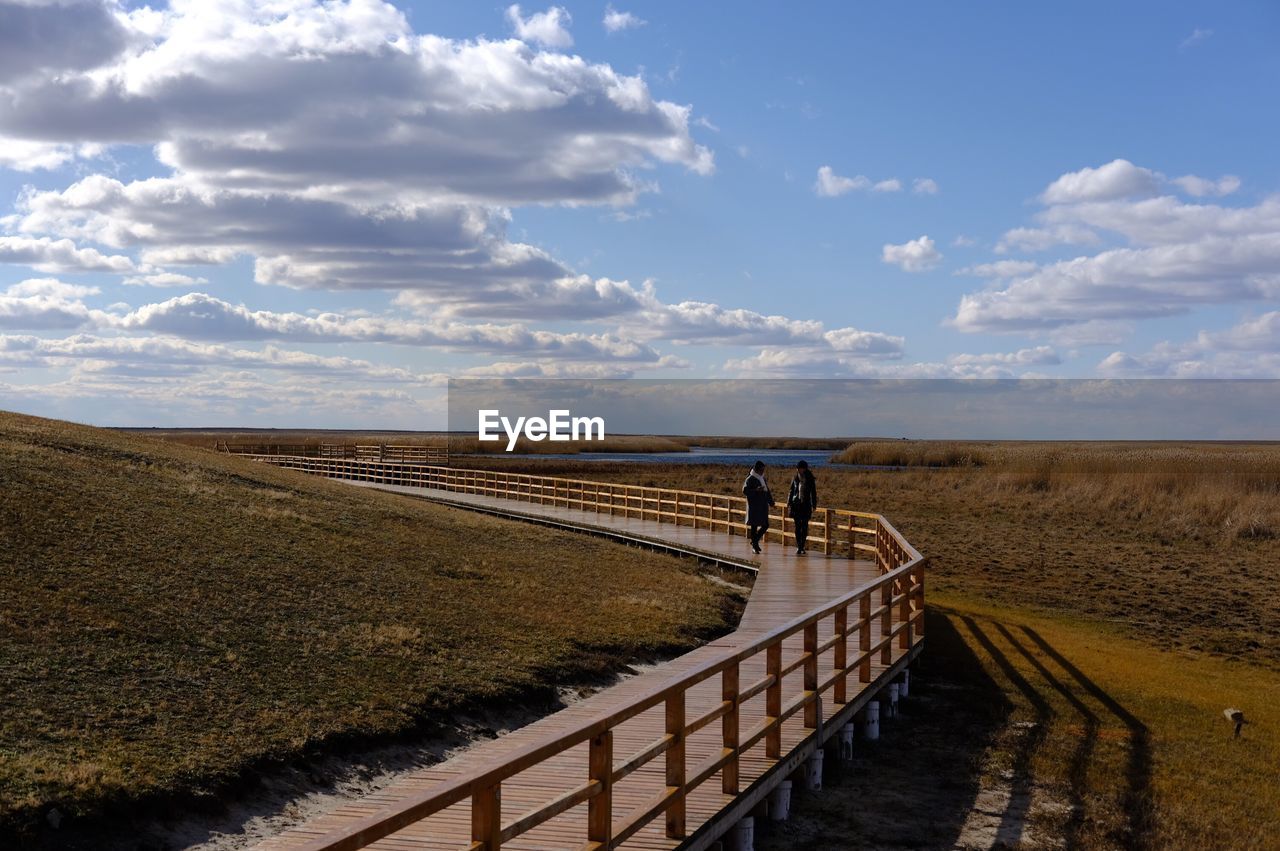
[169,617]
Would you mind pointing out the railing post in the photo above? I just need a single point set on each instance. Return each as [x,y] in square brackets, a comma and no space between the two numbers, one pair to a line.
[773,701]
[864,637]
[886,623]
[486,817]
[675,765]
[729,729]
[841,659]
[600,807]
[827,544]
[904,612]
[918,602]
[811,675]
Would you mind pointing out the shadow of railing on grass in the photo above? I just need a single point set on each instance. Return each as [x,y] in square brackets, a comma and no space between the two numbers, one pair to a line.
[1074,689]
[1138,808]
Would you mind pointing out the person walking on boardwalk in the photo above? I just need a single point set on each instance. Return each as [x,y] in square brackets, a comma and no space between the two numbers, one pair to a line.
[759,500]
[801,502]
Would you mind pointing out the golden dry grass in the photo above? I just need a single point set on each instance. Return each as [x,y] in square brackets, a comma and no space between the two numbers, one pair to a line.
[1094,615]
[1188,561]
[170,618]
[1029,730]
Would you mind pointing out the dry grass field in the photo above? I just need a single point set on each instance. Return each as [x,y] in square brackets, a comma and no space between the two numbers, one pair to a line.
[1178,548]
[1095,608]
[1026,730]
[171,618]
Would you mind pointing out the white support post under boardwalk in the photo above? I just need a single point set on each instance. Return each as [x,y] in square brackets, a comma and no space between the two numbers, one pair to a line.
[871,720]
[904,685]
[813,771]
[893,701]
[780,802]
[846,742]
[743,835]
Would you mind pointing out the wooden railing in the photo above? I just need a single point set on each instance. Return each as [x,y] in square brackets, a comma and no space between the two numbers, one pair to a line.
[874,624]
[362,451]
[832,531]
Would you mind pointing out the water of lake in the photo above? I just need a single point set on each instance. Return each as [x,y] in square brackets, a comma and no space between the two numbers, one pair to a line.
[778,458]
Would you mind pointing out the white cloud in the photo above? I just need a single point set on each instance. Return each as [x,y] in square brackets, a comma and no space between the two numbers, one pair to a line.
[1039,239]
[169,356]
[1000,269]
[615,21]
[346,101]
[164,279]
[1197,36]
[1038,356]
[550,28]
[831,185]
[59,255]
[1095,332]
[1199,187]
[924,186]
[962,241]
[1117,179]
[917,255]
[1179,255]
[203,317]
[41,304]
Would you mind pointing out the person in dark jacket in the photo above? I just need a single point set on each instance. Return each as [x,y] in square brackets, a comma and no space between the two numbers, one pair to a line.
[759,500]
[801,503]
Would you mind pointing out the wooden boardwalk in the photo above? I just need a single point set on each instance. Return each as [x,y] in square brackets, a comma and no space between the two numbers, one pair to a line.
[626,767]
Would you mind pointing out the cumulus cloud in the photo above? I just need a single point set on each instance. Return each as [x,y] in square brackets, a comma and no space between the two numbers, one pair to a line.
[164,279]
[1039,239]
[1199,187]
[924,186]
[204,317]
[460,252]
[615,21]
[1038,356]
[41,304]
[1117,179]
[550,28]
[59,36]
[832,185]
[1178,255]
[1000,269]
[345,100]
[59,255]
[169,356]
[917,255]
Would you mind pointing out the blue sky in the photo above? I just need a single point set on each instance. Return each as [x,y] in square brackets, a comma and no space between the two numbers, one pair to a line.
[293,214]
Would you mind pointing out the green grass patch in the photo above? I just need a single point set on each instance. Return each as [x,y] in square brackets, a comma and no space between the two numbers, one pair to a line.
[1032,730]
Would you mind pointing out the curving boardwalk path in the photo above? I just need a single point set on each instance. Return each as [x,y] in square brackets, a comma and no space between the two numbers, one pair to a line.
[786,587]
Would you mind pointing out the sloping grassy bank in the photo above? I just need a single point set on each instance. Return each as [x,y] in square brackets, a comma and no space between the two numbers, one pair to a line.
[170,617]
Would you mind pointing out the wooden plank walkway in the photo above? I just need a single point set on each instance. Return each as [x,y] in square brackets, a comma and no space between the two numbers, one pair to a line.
[787,587]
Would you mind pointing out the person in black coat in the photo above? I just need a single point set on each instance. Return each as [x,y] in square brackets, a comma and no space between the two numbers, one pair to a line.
[801,503]
[759,500]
